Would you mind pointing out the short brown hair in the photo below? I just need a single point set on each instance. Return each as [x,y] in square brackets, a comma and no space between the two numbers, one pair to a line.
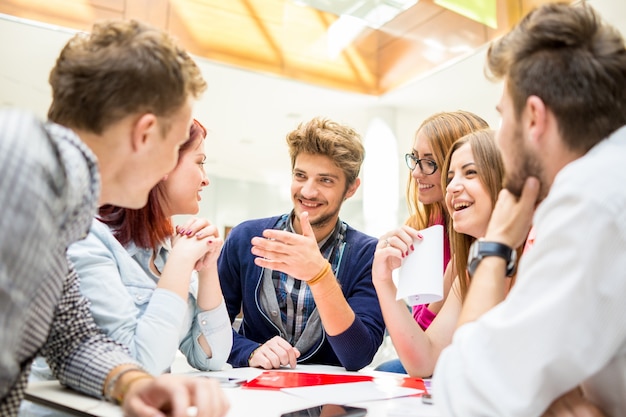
[119,69]
[566,56]
[340,143]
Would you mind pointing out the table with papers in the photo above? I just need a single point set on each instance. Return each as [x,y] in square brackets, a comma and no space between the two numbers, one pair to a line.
[382,394]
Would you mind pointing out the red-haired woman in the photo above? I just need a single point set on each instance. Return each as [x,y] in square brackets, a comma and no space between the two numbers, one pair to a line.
[140,274]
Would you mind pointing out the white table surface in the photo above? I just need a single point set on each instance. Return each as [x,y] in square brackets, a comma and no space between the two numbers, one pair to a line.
[244,402]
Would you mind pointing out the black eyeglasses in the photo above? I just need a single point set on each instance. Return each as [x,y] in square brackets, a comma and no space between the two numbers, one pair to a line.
[427,166]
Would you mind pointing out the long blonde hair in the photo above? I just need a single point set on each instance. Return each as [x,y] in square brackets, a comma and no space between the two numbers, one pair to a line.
[441,130]
[490,169]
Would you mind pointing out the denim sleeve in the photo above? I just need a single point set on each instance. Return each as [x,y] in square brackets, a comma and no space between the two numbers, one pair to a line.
[132,311]
[214,326]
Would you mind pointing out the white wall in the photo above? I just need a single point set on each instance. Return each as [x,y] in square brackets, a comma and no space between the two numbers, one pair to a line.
[253,181]
[227,202]
[460,85]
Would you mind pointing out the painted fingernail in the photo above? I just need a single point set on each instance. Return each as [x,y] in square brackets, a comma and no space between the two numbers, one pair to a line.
[209,242]
[420,236]
[188,233]
[199,234]
[412,247]
[407,253]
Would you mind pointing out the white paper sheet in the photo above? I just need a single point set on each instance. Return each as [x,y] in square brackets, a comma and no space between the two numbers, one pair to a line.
[411,407]
[420,278]
[351,392]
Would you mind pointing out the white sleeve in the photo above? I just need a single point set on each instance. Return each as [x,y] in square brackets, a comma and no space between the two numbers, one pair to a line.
[542,340]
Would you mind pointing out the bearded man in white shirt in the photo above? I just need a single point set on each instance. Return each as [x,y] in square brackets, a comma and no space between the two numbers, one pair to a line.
[557,344]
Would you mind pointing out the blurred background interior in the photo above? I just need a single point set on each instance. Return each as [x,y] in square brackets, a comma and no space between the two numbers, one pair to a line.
[380,66]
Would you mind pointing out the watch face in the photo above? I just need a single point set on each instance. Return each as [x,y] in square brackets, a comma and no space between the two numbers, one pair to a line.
[473,250]
[511,266]
[473,259]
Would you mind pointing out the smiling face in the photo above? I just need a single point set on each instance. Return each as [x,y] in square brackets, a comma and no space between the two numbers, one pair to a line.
[318,186]
[467,198]
[183,185]
[429,185]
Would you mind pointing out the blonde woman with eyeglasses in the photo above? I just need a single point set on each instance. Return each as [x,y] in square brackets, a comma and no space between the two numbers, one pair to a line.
[425,196]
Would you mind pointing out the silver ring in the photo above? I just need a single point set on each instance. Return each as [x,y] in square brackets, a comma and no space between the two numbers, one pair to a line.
[387,243]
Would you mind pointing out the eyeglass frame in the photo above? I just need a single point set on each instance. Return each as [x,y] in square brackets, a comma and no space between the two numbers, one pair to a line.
[408,158]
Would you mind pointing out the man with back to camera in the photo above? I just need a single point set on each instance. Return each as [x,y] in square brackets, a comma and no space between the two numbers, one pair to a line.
[113,142]
[303,279]
[558,341]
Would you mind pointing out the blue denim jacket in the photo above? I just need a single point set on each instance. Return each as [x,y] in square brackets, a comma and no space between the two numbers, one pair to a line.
[152,322]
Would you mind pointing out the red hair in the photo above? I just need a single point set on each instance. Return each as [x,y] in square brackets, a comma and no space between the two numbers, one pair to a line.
[148,227]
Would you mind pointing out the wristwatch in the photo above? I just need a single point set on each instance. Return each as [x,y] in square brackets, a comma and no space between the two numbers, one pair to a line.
[481,249]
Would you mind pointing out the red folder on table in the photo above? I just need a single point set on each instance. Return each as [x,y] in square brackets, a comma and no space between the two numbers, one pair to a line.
[290,379]
[276,380]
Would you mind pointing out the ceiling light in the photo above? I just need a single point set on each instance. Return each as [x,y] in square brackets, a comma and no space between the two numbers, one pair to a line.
[342,33]
[375,13]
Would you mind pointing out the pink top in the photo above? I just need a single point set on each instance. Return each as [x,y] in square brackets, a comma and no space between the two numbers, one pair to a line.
[422,315]
[530,240]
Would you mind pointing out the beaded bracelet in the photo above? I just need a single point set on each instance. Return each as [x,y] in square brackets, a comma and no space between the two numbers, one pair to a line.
[320,274]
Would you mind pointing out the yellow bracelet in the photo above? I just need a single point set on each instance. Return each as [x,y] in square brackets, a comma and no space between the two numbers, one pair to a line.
[114,376]
[124,389]
[320,274]
[252,354]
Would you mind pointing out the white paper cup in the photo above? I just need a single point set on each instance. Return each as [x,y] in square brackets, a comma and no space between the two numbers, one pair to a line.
[420,278]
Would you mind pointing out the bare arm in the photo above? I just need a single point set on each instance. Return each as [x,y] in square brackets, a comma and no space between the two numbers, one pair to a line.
[509,224]
[418,350]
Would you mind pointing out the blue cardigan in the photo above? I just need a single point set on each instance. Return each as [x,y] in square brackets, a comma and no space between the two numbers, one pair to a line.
[241,278]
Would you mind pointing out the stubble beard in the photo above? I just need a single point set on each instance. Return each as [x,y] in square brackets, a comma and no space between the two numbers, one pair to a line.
[514,181]
[526,165]
[326,218]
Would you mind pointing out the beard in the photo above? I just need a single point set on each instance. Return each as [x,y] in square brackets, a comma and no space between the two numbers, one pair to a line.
[526,166]
[325,218]
[523,164]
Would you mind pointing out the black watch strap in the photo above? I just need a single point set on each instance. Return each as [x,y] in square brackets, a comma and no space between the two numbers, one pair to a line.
[480,249]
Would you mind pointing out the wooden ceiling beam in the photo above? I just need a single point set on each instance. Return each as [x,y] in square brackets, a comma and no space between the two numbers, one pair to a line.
[267,35]
[282,38]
